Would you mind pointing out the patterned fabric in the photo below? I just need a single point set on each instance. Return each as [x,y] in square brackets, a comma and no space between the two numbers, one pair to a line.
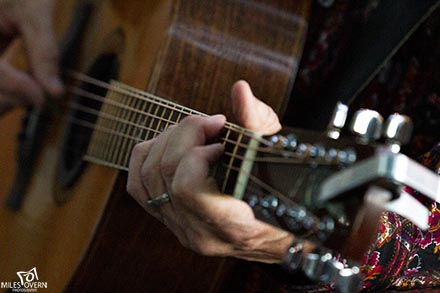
[403,257]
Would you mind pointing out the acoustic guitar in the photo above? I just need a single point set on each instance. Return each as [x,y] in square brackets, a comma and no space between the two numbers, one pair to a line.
[73,221]
[76,225]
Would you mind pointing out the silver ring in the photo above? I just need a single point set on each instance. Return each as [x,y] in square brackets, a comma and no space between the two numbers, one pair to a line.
[159,201]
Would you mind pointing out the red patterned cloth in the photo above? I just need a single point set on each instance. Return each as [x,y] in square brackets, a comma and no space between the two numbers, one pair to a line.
[403,257]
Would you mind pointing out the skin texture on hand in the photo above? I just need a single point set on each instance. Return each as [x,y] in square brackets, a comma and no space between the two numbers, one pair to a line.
[30,20]
[203,219]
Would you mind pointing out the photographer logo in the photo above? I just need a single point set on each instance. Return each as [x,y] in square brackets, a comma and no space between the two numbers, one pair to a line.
[29,282]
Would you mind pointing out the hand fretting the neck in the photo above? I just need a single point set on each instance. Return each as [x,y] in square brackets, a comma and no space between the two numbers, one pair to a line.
[129,116]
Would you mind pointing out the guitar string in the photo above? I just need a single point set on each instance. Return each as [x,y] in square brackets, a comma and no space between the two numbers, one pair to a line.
[165,104]
[138,94]
[84,94]
[289,155]
[92,111]
[134,140]
[124,167]
[97,113]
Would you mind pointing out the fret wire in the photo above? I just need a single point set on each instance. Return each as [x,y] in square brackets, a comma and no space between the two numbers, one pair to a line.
[106,136]
[228,134]
[129,130]
[179,117]
[169,118]
[164,102]
[96,141]
[262,184]
[119,127]
[231,161]
[159,121]
[124,147]
[115,143]
[142,105]
[140,117]
[153,124]
[149,116]
[109,109]
[98,136]
[128,116]
[155,99]
[146,134]
[150,126]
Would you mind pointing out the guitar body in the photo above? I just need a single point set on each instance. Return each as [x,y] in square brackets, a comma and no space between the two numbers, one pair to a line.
[89,234]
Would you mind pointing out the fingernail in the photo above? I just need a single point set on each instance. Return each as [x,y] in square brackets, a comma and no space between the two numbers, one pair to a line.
[218,117]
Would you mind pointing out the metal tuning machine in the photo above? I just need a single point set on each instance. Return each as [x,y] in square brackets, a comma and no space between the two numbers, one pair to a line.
[338,121]
[397,131]
[324,267]
[366,125]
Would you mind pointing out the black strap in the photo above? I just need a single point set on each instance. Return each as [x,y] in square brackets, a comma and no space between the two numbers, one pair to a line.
[388,28]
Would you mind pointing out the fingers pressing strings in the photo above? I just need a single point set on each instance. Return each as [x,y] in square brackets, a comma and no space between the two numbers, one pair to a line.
[151,99]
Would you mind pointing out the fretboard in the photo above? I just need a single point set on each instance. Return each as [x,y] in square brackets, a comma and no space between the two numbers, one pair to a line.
[129,116]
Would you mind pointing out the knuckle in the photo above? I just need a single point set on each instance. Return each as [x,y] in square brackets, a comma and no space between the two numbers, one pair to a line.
[181,186]
[134,192]
[135,152]
[190,120]
[147,173]
[140,148]
[167,167]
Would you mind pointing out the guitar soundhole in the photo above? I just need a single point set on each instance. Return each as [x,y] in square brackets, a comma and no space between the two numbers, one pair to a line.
[85,104]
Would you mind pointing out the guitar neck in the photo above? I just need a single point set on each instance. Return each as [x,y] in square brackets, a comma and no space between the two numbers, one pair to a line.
[128,116]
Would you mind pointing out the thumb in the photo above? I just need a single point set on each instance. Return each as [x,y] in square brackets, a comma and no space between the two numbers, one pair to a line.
[252,113]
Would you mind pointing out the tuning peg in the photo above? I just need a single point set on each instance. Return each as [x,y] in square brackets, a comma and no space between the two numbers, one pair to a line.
[367,125]
[278,141]
[289,142]
[397,131]
[338,121]
[292,141]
